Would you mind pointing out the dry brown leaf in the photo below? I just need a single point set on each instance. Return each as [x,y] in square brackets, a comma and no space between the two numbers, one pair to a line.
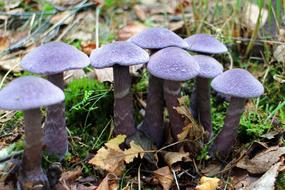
[130,29]
[108,184]
[174,157]
[133,152]
[267,181]
[262,161]
[164,176]
[87,47]
[208,183]
[112,159]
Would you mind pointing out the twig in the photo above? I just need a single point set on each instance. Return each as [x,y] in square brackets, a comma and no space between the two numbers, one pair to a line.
[139,177]
[175,178]
[98,8]
[7,73]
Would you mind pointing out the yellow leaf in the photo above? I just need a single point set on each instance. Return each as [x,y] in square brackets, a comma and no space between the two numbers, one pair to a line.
[208,183]
[115,142]
[164,176]
[173,157]
[133,152]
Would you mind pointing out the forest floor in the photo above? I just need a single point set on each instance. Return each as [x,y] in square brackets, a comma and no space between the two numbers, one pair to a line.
[256,42]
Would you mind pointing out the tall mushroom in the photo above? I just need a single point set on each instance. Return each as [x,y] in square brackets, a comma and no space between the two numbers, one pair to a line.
[209,68]
[52,59]
[155,39]
[240,85]
[173,65]
[120,55]
[29,94]
[206,45]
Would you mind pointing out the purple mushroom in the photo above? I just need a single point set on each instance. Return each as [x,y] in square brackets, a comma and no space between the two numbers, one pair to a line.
[240,85]
[52,59]
[155,39]
[120,55]
[209,68]
[29,94]
[173,65]
[205,44]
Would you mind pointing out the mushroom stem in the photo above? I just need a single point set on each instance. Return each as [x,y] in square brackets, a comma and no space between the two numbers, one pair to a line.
[31,171]
[123,101]
[226,138]
[153,125]
[55,134]
[200,104]
[171,90]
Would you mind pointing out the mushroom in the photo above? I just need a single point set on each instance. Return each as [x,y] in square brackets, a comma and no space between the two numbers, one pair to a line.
[209,68]
[240,85]
[155,39]
[29,94]
[52,59]
[206,45]
[121,55]
[173,65]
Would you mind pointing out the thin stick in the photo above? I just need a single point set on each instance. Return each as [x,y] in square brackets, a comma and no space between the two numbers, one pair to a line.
[97,14]
[175,178]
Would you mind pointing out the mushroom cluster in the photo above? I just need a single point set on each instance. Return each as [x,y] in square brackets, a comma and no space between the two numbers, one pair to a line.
[169,62]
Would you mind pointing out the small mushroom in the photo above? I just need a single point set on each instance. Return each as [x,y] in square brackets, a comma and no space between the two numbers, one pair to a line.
[240,85]
[206,45]
[155,39]
[120,55]
[173,65]
[52,59]
[209,68]
[29,94]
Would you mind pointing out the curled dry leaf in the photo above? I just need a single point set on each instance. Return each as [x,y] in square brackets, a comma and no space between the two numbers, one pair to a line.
[133,152]
[174,157]
[164,176]
[262,161]
[208,183]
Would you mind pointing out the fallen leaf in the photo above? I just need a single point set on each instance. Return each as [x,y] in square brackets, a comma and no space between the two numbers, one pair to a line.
[267,180]
[174,157]
[208,183]
[261,162]
[112,159]
[133,152]
[87,47]
[71,75]
[164,176]
[130,29]
[115,142]
[4,42]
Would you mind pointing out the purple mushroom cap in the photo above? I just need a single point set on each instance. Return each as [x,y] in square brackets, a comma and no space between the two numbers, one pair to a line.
[121,52]
[173,63]
[239,83]
[205,43]
[29,92]
[209,67]
[54,57]
[158,38]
